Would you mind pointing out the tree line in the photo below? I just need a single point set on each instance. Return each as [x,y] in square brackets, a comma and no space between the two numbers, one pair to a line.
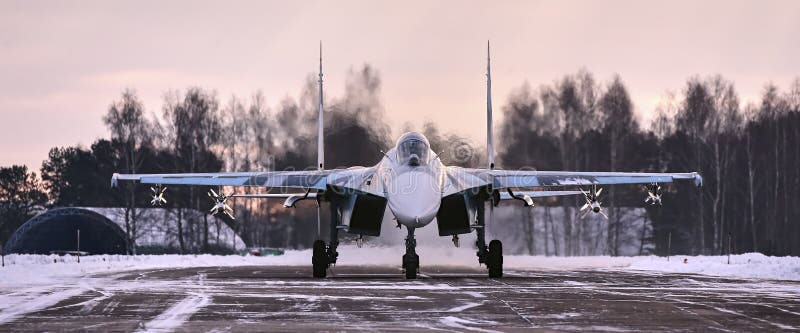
[747,153]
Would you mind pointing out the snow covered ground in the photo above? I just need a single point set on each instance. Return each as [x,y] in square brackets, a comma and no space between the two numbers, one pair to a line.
[749,265]
[38,270]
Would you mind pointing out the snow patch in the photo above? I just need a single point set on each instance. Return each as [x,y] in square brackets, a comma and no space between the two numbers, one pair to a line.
[475,294]
[22,303]
[176,315]
[748,265]
[460,323]
[565,315]
[464,307]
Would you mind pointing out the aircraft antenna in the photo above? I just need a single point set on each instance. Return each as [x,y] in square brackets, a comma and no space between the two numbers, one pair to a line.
[320,124]
[489,136]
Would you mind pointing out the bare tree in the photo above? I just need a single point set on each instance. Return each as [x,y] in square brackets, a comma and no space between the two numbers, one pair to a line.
[772,109]
[617,110]
[725,119]
[575,98]
[193,128]
[128,126]
[693,119]
[751,174]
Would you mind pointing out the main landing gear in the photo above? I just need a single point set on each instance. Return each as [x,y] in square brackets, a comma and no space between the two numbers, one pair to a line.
[491,255]
[411,259]
[319,259]
[324,255]
[494,259]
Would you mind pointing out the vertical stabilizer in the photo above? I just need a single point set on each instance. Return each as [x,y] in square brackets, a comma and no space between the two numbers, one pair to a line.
[320,124]
[489,135]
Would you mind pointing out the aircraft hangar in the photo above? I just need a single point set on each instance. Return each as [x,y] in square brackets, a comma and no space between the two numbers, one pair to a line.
[56,230]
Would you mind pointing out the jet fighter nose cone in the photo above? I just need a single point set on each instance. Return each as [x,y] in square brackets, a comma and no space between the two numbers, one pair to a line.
[414,198]
[413,160]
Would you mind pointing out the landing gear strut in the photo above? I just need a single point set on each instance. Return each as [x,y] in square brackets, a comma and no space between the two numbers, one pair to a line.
[325,255]
[491,255]
[411,259]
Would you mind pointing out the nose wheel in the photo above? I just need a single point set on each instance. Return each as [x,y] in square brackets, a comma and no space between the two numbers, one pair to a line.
[411,265]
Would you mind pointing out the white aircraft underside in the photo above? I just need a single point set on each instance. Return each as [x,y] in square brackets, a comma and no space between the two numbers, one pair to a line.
[416,186]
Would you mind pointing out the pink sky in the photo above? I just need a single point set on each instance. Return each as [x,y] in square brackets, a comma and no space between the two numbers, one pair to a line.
[62,62]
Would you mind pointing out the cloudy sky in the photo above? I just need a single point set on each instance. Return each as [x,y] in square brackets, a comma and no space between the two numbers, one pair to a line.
[63,62]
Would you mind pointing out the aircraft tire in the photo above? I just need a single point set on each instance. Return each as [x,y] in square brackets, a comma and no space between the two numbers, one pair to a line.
[319,259]
[495,259]
[411,265]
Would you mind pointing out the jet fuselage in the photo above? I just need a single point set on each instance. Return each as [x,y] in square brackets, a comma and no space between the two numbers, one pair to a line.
[414,177]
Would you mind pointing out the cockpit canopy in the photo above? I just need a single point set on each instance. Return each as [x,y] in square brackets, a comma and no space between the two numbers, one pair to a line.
[412,149]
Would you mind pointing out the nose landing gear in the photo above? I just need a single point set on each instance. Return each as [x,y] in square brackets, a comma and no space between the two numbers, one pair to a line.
[411,259]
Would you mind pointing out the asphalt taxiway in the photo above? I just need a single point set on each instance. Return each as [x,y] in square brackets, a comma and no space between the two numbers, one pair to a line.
[369,298]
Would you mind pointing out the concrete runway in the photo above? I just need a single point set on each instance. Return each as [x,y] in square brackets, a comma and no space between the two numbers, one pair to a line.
[258,299]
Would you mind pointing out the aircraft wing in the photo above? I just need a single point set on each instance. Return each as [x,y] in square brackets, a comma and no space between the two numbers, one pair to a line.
[505,179]
[465,178]
[516,195]
[354,178]
[274,179]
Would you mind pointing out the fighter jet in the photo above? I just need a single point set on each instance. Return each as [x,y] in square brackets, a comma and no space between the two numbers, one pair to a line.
[415,185]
